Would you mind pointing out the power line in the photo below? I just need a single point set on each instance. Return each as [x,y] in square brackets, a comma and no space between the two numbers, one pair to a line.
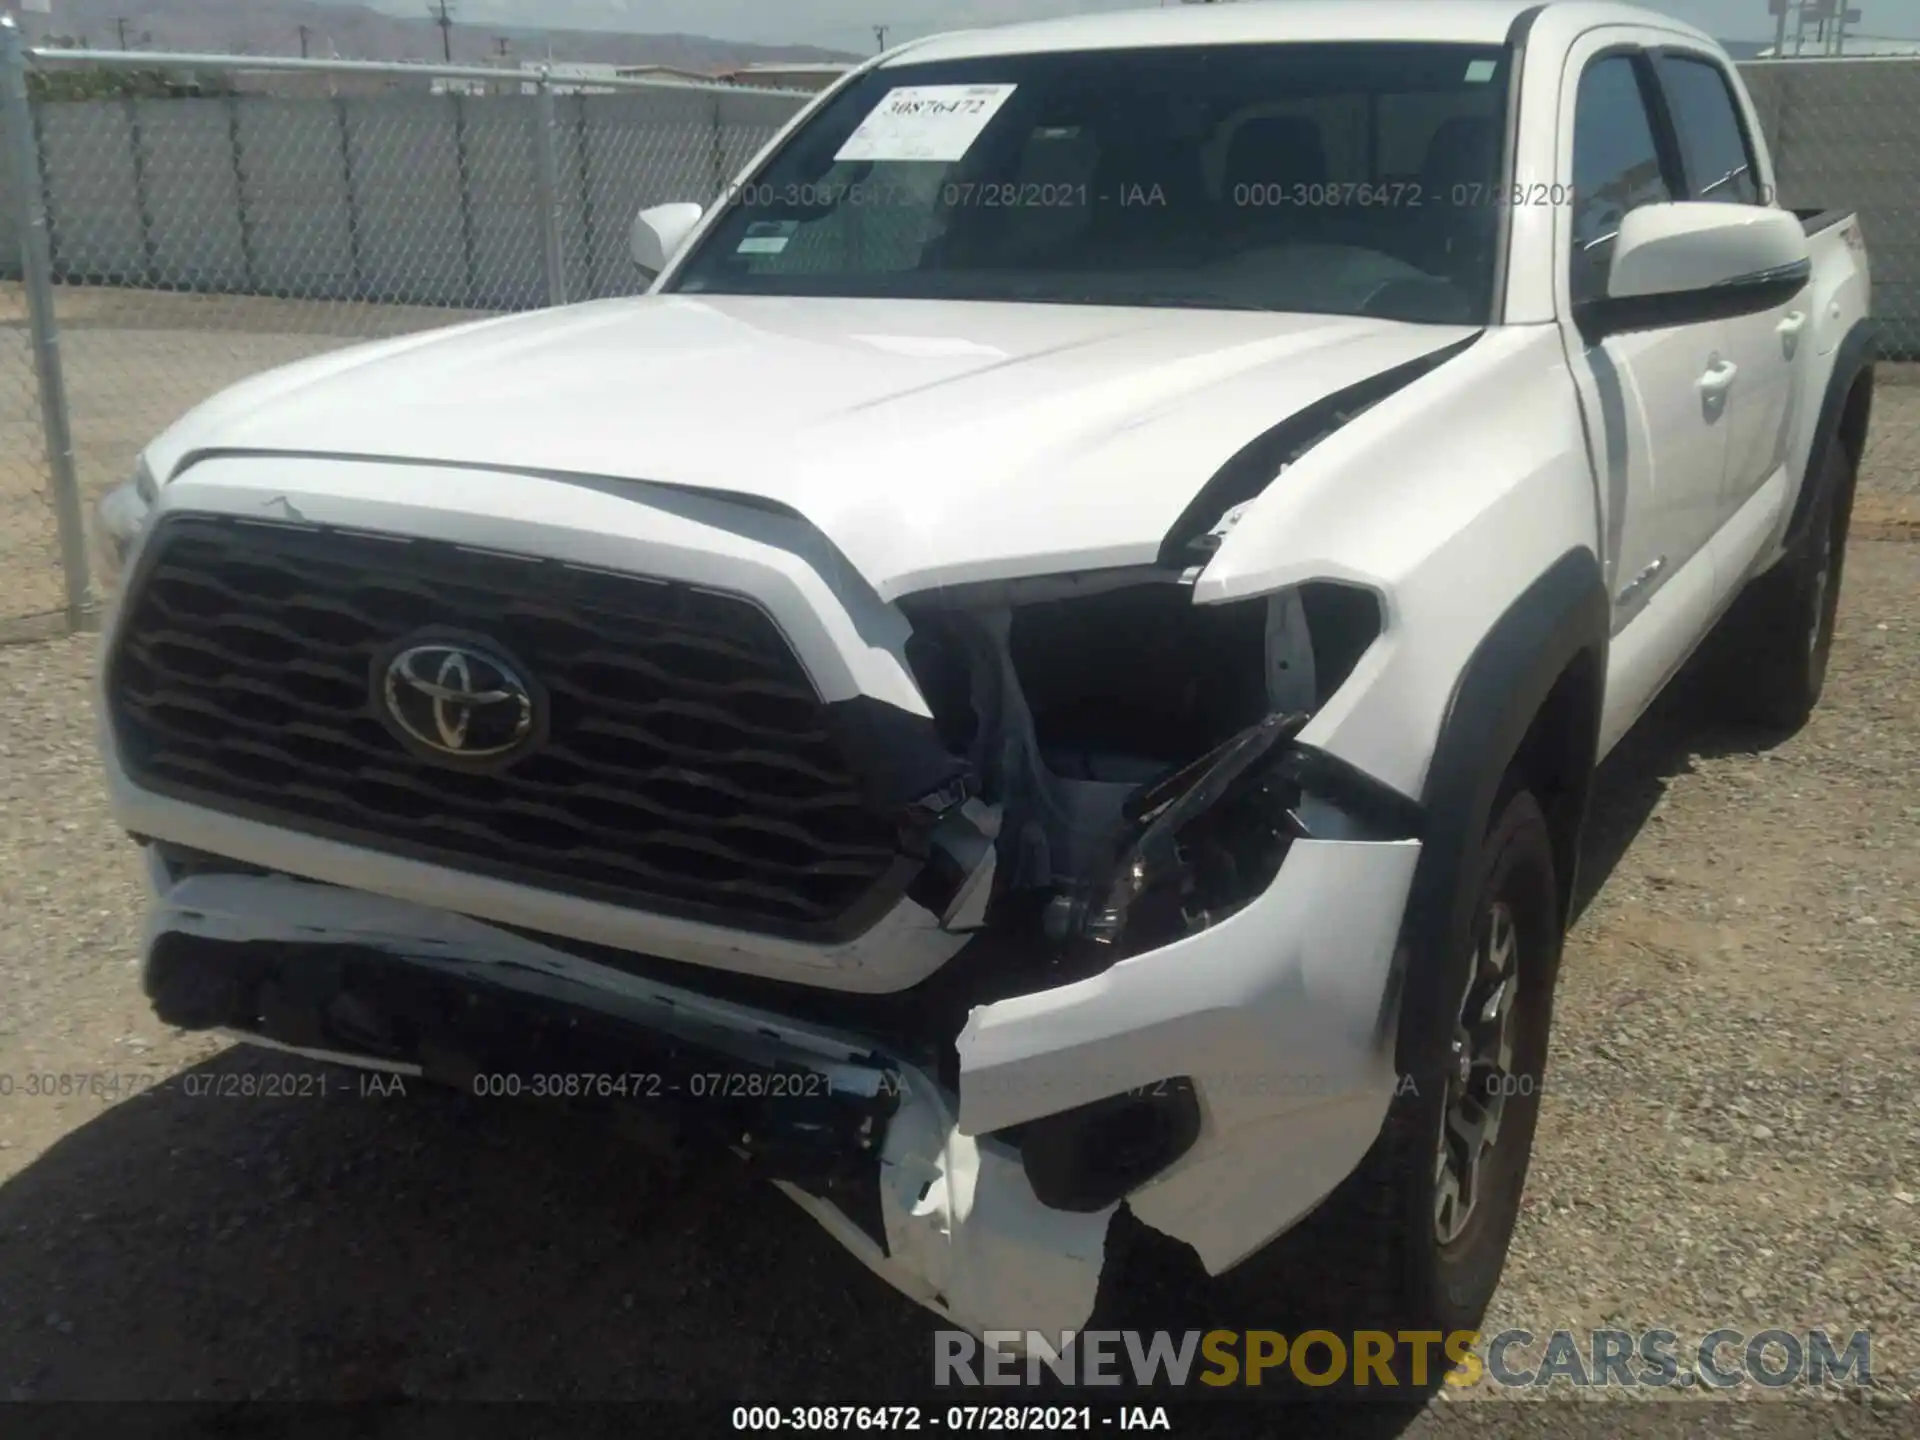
[441,13]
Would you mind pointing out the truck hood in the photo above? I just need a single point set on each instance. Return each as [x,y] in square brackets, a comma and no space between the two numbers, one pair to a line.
[931,442]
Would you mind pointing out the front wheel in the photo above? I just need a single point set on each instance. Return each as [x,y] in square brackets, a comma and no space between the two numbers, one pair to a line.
[1416,1237]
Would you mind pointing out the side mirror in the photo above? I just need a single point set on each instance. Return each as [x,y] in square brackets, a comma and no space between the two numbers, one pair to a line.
[1696,262]
[659,231]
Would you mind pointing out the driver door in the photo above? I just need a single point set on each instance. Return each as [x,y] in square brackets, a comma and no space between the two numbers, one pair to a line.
[1655,401]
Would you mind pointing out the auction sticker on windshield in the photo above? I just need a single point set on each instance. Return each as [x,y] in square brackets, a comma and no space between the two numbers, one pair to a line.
[925,122]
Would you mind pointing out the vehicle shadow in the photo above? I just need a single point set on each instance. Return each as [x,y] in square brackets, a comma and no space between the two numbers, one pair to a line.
[1679,728]
[193,1243]
[341,1244]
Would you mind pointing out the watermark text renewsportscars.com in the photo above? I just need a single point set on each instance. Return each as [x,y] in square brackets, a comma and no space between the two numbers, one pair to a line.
[1724,1359]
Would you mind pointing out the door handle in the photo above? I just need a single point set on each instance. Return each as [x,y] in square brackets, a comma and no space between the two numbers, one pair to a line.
[1795,322]
[1718,378]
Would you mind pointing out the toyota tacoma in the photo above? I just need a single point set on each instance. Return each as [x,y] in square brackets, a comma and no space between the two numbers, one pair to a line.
[1046,676]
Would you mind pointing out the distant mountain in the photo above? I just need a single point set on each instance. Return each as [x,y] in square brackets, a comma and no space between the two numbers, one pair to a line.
[355,32]
[362,32]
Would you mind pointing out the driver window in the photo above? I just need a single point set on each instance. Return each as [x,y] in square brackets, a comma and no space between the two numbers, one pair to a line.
[1616,167]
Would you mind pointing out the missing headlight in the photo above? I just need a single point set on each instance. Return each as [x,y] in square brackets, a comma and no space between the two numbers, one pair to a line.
[1200,844]
[1134,747]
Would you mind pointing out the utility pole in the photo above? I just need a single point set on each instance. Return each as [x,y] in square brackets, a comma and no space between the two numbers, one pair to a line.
[120,26]
[306,35]
[880,35]
[441,13]
[1841,19]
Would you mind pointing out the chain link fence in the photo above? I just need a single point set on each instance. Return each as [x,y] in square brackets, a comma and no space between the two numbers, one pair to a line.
[192,238]
[1845,134]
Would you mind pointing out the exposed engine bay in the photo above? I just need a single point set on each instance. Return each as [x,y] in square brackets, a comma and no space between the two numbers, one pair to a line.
[1130,776]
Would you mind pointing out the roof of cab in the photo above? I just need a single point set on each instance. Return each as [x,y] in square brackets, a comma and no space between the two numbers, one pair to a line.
[1466,22]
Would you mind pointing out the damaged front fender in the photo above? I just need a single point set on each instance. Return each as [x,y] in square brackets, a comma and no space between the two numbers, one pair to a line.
[1272,1014]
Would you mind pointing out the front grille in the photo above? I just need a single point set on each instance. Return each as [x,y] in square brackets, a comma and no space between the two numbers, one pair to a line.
[686,763]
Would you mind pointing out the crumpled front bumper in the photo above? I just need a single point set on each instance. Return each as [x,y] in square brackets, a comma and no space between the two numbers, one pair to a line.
[1280,1016]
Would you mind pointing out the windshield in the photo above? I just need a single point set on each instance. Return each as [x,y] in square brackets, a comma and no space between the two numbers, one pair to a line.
[1353,179]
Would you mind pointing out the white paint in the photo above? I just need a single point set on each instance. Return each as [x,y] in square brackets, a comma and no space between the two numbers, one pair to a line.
[1661,638]
[960,1215]
[933,347]
[1674,249]
[660,231]
[925,122]
[893,448]
[850,642]
[1271,1013]
[988,442]
[1445,500]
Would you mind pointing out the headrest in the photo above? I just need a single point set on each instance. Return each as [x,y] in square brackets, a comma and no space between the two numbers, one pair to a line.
[1276,150]
[1463,150]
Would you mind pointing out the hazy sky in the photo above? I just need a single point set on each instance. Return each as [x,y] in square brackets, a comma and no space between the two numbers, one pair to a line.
[848,24]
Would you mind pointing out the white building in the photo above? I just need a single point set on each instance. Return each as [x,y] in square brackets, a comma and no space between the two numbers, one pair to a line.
[813,76]
[571,77]
[568,77]
[1853,47]
[667,75]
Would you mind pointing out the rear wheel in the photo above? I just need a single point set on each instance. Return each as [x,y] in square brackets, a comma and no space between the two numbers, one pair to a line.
[1416,1237]
[1778,637]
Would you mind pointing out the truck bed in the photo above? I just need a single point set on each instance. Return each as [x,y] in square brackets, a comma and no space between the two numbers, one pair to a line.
[1815,221]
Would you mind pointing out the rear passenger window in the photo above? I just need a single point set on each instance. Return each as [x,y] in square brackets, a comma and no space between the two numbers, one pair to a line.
[1713,144]
[1616,167]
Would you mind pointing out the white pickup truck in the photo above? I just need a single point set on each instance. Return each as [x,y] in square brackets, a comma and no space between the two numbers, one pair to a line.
[1043,682]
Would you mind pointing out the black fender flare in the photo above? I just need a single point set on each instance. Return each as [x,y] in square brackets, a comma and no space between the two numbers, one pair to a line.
[1855,353]
[1563,616]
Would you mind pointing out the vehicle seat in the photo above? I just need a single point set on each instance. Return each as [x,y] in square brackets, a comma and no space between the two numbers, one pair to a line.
[1458,181]
[1275,153]
[1128,225]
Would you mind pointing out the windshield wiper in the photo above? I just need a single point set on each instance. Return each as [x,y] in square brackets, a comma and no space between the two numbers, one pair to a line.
[1188,301]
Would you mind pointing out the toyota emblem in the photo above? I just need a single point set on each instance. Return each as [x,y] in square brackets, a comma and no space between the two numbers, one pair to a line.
[458,701]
